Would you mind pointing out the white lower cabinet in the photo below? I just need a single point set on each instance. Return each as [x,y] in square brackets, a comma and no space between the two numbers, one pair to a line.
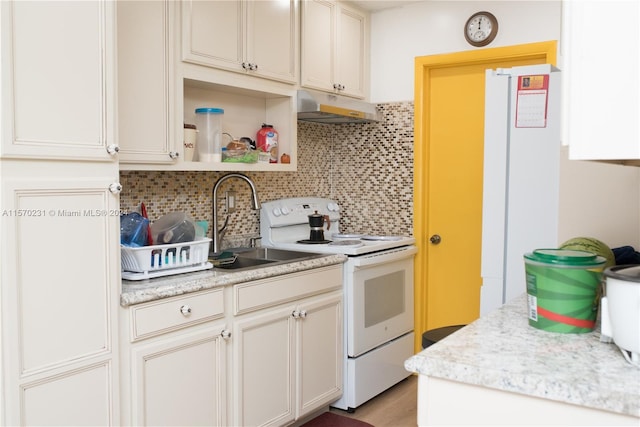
[287,361]
[273,358]
[174,363]
[60,286]
[264,368]
[287,357]
[181,381]
[319,353]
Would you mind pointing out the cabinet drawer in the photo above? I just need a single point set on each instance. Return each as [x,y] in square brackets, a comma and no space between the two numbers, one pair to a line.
[252,296]
[163,316]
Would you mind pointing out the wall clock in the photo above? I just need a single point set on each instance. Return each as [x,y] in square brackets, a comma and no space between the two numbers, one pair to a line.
[481,28]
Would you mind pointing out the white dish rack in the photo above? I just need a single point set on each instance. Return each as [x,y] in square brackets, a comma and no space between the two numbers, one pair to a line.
[147,262]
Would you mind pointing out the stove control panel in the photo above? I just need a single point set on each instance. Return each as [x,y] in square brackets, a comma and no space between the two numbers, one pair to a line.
[292,211]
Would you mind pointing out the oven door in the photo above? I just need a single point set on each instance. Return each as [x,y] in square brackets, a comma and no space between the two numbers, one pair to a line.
[379,292]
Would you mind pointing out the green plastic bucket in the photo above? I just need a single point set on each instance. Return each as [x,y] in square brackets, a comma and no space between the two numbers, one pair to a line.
[562,289]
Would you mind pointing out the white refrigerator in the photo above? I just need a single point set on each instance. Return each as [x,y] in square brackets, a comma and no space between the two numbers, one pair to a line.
[521,176]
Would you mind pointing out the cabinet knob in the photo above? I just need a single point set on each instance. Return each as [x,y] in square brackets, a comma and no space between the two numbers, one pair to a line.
[115,188]
[185,310]
[225,334]
[113,149]
[174,154]
[246,65]
[299,314]
[254,67]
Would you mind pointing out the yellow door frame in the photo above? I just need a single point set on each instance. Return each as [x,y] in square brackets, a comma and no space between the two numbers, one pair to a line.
[546,51]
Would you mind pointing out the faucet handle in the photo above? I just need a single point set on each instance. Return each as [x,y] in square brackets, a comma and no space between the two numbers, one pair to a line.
[253,240]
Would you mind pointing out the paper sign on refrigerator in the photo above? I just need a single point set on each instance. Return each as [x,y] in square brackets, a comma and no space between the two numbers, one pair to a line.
[531,103]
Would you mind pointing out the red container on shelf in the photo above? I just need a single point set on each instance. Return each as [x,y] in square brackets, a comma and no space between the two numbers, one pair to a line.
[267,142]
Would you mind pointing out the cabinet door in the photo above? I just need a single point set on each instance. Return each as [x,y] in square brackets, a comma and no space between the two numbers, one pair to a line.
[351,52]
[60,288]
[181,381]
[213,33]
[318,30]
[146,81]
[264,368]
[75,398]
[57,79]
[272,47]
[602,92]
[320,355]
[334,48]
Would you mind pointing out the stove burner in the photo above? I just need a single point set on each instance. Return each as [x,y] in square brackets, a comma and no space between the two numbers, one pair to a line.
[313,242]
[352,243]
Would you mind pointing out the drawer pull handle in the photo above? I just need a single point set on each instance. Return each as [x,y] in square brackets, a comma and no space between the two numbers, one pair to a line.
[185,310]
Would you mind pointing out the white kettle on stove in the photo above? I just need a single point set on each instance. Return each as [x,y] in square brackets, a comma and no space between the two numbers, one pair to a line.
[620,310]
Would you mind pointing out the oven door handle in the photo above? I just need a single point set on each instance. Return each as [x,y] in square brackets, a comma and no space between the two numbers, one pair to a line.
[383,257]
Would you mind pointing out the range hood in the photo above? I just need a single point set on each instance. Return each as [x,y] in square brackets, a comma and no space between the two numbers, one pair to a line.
[320,107]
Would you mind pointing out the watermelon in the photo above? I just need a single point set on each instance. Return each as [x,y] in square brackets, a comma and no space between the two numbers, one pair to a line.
[594,246]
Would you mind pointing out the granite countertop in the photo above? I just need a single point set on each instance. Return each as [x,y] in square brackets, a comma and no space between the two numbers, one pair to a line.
[501,351]
[136,292]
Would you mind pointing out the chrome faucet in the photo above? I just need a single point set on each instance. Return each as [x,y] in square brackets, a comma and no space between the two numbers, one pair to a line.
[255,204]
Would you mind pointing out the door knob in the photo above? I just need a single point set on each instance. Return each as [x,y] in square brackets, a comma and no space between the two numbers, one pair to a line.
[435,239]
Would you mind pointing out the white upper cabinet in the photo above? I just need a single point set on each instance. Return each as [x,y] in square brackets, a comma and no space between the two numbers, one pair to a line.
[334,52]
[146,81]
[601,44]
[60,281]
[55,95]
[253,37]
[157,92]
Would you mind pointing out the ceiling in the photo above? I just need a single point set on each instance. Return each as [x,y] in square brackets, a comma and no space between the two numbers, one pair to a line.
[375,5]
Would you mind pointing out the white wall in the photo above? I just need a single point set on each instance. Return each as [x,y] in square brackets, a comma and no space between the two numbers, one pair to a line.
[599,200]
[399,35]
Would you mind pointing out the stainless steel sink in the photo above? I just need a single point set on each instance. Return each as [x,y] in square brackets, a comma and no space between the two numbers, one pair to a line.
[245,263]
[250,258]
[274,254]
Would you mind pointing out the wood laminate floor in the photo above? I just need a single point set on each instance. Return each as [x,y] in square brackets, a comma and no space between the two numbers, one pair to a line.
[396,407]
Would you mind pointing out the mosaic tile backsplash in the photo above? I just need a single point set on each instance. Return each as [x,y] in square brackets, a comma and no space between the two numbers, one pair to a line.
[367,168]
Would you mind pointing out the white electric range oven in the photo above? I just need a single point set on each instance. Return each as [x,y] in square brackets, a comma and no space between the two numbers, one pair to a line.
[378,292]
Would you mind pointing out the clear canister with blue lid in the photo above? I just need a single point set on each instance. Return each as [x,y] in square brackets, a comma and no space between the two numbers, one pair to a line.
[209,125]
